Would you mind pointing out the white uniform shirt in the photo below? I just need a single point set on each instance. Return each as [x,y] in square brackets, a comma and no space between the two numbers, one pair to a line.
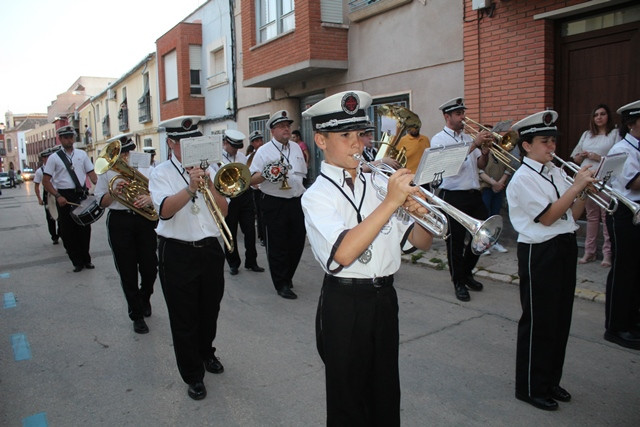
[530,195]
[271,152]
[102,187]
[166,180]
[37,177]
[60,177]
[599,144]
[467,177]
[328,215]
[631,167]
[228,158]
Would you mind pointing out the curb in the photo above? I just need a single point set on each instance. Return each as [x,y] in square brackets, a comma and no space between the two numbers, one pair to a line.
[585,294]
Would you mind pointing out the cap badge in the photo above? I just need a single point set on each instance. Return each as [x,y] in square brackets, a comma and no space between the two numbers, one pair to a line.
[350,103]
[186,124]
[547,119]
[459,101]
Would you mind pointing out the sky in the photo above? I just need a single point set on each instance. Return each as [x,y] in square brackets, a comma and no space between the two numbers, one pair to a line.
[46,45]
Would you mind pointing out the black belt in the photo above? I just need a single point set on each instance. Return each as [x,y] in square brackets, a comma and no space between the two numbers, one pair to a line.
[207,241]
[123,211]
[377,282]
[473,190]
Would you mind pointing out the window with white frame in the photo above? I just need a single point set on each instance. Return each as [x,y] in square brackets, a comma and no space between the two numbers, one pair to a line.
[195,68]
[170,76]
[274,17]
[217,67]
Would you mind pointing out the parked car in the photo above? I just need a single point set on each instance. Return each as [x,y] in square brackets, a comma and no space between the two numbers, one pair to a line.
[4,180]
[28,174]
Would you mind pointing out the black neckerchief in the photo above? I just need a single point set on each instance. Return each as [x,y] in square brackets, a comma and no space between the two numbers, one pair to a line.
[193,199]
[549,180]
[364,191]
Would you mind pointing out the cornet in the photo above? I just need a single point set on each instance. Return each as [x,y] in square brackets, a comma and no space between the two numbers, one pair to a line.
[484,233]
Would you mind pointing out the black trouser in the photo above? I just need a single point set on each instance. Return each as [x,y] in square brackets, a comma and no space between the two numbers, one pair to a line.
[357,338]
[241,212]
[76,238]
[461,258]
[257,195]
[192,281]
[547,284]
[133,242]
[52,226]
[623,282]
[285,235]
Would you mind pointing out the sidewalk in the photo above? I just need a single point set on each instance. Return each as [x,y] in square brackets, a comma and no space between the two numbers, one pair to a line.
[503,267]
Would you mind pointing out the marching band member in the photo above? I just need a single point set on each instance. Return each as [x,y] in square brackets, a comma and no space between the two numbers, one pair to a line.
[276,162]
[241,209]
[191,260]
[52,224]
[623,283]
[133,241]
[358,241]
[543,209]
[463,192]
[256,140]
[57,180]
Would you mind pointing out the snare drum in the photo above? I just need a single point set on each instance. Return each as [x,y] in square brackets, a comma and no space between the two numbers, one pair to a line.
[88,212]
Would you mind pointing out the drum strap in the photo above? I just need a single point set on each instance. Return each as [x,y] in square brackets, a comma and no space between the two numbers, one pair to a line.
[74,177]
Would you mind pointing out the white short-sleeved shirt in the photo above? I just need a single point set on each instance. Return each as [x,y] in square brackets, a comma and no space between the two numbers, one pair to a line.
[530,195]
[599,144]
[328,215]
[631,168]
[467,177]
[37,176]
[167,179]
[60,177]
[228,158]
[273,151]
[102,187]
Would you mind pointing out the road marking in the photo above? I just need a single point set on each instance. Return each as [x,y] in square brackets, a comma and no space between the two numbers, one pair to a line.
[9,300]
[21,348]
[37,420]
[5,275]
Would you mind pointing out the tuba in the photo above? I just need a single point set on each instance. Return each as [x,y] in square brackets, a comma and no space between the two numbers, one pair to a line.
[404,118]
[137,183]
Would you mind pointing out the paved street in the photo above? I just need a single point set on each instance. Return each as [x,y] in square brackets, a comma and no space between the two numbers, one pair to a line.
[86,366]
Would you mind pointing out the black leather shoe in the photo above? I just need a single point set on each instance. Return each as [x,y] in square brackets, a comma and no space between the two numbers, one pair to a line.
[626,339]
[461,292]
[546,403]
[197,390]
[558,393]
[77,268]
[89,266]
[55,242]
[473,284]
[287,293]
[234,271]
[140,326]
[255,268]
[213,365]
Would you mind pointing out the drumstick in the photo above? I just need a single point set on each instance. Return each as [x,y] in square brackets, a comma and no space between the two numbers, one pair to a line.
[73,204]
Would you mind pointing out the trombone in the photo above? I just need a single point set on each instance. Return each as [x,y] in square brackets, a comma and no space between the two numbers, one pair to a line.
[484,233]
[501,146]
[616,197]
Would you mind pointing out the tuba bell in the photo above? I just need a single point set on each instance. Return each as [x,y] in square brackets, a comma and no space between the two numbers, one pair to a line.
[136,183]
[405,118]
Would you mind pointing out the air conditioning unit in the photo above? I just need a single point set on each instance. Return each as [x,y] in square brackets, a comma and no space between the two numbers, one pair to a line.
[480,4]
[111,94]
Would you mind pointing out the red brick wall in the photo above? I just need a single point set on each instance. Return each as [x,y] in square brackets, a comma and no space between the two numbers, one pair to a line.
[509,60]
[309,40]
[179,38]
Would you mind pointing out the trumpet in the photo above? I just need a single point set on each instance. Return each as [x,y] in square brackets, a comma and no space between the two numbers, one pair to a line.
[484,234]
[609,206]
[137,184]
[501,146]
[231,180]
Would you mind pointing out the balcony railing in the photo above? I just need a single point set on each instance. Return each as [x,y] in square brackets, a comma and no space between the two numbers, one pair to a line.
[106,127]
[123,119]
[144,109]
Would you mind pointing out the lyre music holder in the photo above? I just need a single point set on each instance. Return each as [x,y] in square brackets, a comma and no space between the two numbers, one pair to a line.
[440,162]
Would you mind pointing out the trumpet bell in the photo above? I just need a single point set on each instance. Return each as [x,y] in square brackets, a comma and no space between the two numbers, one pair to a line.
[486,234]
[232,179]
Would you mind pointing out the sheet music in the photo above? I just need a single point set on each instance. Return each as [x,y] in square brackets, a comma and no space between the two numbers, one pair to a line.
[440,162]
[502,126]
[388,125]
[610,166]
[139,160]
[200,148]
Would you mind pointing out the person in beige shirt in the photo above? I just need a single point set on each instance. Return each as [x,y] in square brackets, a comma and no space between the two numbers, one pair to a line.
[415,143]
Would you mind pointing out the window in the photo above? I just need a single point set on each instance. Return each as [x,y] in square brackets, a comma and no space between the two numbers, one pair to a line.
[401,100]
[148,142]
[217,67]
[170,76]
[331,11]
[195,68]
[600,21]
[9,145]
[144,103]
[260,123]
[274,17]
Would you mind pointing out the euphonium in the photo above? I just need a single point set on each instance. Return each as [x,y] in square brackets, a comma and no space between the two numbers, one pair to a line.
[405,118]
[136,183]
